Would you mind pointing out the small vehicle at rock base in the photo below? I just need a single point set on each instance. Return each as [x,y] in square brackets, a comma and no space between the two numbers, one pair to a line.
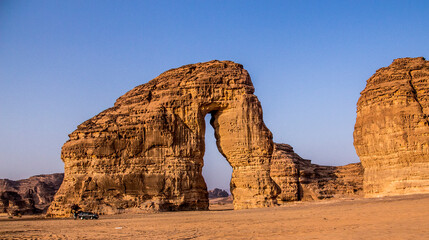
[87,215]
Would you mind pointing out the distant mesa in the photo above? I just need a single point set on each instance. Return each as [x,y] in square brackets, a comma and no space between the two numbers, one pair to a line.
[391,133]
[146,152]
[218,193]
[29,196]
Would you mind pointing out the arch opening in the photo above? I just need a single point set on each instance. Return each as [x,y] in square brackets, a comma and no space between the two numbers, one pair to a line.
[216,171]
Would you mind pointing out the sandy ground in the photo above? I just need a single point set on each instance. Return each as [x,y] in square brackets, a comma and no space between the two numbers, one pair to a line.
[404,217]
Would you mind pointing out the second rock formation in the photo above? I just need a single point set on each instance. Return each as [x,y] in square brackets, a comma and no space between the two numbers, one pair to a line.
[391,134]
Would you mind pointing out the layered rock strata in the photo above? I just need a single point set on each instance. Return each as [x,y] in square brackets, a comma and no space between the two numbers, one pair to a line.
[146,151]
[391,134]
[300,180]
[29,196]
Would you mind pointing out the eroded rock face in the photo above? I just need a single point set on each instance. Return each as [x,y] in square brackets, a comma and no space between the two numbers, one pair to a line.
[147,150]
[391,134]
[300,180]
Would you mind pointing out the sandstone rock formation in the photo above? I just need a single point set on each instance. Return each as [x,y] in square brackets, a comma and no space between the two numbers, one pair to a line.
[147,150]
[29,196]
[391,134]
[299,179]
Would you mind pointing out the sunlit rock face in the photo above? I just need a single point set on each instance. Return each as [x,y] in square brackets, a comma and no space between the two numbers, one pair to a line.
[391,134]
[146,152]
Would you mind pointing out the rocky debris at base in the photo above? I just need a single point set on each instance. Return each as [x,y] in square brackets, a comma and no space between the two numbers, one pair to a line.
[301,180]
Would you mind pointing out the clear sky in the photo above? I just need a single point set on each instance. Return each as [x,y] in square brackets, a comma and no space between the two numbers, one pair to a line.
[62,62]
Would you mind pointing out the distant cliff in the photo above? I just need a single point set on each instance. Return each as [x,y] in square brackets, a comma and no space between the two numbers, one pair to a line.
[29,196]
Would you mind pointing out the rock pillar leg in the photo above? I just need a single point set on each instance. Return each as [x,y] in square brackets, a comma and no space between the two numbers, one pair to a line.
[246,143]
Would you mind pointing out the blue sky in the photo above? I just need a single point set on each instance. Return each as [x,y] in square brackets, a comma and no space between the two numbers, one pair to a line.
[62,62]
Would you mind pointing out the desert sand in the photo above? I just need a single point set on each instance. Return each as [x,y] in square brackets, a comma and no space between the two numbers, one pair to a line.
[402,217]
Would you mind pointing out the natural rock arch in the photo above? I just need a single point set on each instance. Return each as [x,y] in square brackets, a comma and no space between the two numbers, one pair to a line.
[147,150]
